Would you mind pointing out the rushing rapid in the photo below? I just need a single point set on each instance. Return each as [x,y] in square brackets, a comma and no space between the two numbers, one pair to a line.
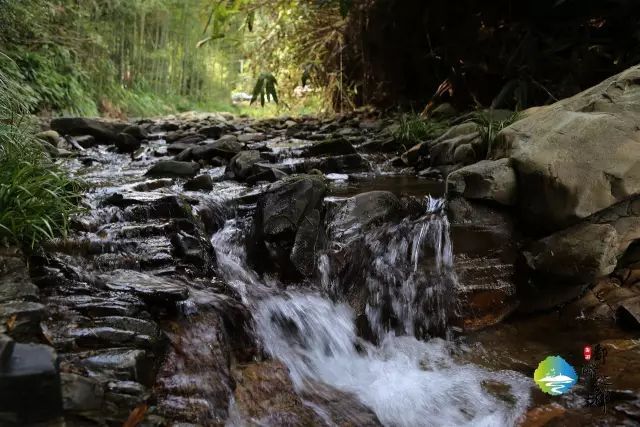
[410,278]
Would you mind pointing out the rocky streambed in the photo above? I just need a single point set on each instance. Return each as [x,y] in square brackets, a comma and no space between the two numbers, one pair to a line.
[320,272]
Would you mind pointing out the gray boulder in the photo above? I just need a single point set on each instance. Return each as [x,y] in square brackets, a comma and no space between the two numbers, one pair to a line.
[102,130]
[488,180]
[580,253]
[577,156]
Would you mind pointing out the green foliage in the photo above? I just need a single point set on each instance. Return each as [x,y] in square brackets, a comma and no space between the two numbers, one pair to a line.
[37,198]
[412,129]
[489,125]
[265,87]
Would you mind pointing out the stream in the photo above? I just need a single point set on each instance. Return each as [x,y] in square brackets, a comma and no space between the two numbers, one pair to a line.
[407,382]
[156,298]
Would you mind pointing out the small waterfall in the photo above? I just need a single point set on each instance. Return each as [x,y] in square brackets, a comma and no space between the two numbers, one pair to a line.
[407,270]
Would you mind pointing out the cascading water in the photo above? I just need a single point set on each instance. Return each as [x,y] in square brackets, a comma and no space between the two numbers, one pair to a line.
[405,381]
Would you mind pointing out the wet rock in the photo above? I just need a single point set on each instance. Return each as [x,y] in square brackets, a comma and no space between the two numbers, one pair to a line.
[542,415]
[126,143]
[184,143]
[124,364]
[344,164]
[173,168]
[103,131]
[136,131]
[341,408]
[486,246]
[199,183]
[30,386]
[51,137]
[628,313]
[21,319]
[152,289]
[107,337]
[213,132]
[153,184]
[268,175]
[333,147]
[265,395]
[80,394]
[241,165]
[579,254]
[251,137]
[169,207]
[488,180]
[577,156]
[225,148]
[15,283]
[443,151]
[101,306]
[280,213]
[364,211]
[83,142]
[464,154]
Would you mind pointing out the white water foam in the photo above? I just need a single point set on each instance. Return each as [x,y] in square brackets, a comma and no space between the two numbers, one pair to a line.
[406,382]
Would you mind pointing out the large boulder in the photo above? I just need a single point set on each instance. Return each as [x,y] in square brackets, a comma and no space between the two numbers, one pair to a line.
[487,180]
[577,156]
[103,131]
[286,234]
[580,253]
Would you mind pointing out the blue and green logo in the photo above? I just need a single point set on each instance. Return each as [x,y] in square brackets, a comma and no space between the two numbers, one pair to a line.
[555,376]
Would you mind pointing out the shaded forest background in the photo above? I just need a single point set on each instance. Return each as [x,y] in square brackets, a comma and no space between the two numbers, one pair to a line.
[147,57]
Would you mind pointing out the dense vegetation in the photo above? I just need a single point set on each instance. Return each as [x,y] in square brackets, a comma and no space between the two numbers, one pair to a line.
[143,57]
[37,198]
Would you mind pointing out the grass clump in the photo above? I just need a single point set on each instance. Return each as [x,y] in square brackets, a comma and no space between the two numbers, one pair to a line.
[37,197]
[489,126]
[412,129]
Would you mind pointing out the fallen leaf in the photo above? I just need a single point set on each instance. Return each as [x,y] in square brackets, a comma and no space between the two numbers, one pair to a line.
[136,416]
[11,322]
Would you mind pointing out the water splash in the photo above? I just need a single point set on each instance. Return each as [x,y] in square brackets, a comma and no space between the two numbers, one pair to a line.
[407,269]
[405,381]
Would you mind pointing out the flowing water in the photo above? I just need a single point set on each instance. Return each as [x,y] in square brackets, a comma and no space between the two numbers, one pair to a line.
[410,278]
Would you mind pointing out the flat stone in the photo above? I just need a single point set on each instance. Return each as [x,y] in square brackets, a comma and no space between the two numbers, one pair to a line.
[80,393]
[199,183]
[100,337]
[21,319]
[173,168]
[152,289]
[15,283]
[125,364]
[30,385]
